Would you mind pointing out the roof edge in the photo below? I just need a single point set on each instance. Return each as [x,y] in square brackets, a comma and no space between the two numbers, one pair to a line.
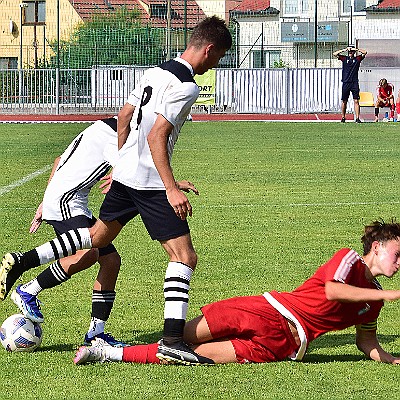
[267,11]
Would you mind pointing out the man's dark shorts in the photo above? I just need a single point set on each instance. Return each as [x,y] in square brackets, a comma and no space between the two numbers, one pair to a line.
[80,221]
[123,203]
[350,87]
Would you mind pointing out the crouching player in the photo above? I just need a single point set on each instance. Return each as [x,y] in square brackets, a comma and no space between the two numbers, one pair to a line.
[385,98]
[279,325]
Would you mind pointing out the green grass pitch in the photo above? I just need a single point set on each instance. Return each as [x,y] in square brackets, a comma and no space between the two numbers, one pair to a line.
[276,200]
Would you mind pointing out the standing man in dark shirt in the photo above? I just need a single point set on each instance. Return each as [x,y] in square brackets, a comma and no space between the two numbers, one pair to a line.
[351,65]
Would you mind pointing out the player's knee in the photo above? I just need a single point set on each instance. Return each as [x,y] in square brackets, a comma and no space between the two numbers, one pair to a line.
[188,257]
[91,256]
[95,253]
[110,257]
[115,260]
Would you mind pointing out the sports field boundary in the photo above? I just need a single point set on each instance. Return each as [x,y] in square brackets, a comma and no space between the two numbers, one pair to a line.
[84,118]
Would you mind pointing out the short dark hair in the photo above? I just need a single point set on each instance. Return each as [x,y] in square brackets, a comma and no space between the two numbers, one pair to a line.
[382,82]
[379,231]
[211,30]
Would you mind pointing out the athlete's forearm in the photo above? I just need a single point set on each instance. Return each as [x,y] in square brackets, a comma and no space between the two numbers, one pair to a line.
[367,342]
[157,140]
[336,53]
[54,168]
[342,292]
[124,123]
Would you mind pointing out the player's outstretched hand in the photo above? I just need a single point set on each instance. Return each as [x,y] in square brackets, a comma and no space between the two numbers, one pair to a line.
[105,186]
[186,186]
[37,219]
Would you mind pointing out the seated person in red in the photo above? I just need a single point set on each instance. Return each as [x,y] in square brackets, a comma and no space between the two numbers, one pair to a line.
[385,98]
[398,106]
[277,326]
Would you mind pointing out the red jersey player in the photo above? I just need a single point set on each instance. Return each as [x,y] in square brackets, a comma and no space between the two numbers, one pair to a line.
[385,98]
[279,325]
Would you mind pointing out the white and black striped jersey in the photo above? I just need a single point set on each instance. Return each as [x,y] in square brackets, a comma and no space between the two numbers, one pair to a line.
[169,90]
[83,163]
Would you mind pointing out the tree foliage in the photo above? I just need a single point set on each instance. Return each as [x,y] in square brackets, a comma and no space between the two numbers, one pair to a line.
[114,38]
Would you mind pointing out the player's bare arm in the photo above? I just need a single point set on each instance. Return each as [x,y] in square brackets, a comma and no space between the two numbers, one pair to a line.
[367,342]
[157,140]
[336,53]
[123,123]
[54,168]
[362,51]
[337,291]
[37,219]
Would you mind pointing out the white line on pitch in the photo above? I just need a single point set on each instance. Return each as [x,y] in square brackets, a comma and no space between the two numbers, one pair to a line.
[20,182]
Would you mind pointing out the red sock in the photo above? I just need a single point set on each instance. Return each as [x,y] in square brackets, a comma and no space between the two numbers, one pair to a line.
[141,354]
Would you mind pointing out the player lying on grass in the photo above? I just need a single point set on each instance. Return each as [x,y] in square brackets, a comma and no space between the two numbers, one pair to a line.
[279,325]
[65,206]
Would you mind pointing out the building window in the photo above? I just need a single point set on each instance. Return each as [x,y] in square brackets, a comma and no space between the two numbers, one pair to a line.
[34,13]
[353,6]
[271,58]
[295,7]
[160,11]
[8,63]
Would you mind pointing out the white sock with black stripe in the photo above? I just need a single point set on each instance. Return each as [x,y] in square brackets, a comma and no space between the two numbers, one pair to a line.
[176,290]
[65,245]
[52,276]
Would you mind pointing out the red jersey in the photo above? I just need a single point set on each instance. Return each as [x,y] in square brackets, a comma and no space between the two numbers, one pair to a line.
[385,92]
[317,314]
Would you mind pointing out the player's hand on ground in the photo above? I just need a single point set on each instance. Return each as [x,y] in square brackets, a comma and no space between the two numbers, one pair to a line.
[37,219]
[105,186]
[179,202]
[186,186]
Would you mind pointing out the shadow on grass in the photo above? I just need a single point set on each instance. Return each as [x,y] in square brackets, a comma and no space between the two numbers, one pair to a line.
[146,337]
[60,348]
[137,338]
[336,341]
[329,341]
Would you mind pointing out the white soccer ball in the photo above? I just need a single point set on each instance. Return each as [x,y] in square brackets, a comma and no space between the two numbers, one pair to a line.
[18,333]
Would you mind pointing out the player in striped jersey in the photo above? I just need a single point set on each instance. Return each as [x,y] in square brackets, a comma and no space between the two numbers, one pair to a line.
[278,326]
[65,206]
[144,184]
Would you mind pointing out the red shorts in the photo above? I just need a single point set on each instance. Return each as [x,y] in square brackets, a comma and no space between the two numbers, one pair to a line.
[385,103]
[257,331]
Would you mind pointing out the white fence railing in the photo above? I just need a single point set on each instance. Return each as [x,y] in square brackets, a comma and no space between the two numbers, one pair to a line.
[105,89]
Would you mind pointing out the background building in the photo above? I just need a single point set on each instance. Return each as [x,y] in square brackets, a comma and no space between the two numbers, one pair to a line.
[283,33]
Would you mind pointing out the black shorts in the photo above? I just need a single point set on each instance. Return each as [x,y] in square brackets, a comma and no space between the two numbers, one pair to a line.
[123,203]
[80,221]
[350,87]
